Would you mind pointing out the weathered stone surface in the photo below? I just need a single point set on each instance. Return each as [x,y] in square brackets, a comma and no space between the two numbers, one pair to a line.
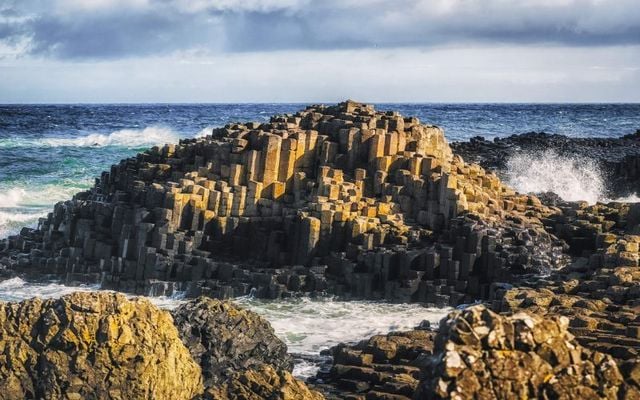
[381,367]
[93,346]
[480,354]
[225,339]
[260,383]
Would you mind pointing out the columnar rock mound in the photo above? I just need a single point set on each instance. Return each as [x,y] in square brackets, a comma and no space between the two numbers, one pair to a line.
[480,354]
[341,199]
[225,339]
[93,346]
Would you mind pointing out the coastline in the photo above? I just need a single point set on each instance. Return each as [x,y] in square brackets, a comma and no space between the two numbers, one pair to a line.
[421,225]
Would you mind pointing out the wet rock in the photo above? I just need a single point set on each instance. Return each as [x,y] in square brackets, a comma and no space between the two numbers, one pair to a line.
[225,339]
[93,345]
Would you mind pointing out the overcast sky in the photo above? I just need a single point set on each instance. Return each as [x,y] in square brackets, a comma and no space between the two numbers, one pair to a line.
[319,50]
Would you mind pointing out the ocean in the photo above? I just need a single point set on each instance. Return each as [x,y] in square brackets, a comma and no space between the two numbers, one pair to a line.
[50,152]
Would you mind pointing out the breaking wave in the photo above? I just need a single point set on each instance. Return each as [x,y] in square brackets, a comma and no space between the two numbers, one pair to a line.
[23,204]
[130,138]
[573,178]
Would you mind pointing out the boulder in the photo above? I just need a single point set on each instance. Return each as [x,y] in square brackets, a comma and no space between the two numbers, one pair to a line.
[225,339]
[97,345]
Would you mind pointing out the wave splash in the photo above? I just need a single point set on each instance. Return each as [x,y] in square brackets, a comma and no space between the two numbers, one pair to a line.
[572,178]
[129,138]
[21,207]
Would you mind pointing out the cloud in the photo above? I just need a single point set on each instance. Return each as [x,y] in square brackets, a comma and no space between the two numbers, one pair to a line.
[114,29]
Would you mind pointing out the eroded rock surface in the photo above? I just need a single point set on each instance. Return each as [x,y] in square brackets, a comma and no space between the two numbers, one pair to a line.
[93,346]
[263,382]
[482,355]
[225,339]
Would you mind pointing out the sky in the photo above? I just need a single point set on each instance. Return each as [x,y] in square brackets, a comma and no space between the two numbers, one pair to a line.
[58,51]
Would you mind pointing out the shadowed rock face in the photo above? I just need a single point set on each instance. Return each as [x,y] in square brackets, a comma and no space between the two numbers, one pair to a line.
[225,339]
[93,346]
[480,354]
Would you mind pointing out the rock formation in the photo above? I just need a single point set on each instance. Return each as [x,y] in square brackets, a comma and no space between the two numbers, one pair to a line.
[93,346]
[482,355]
[381,367]
[102,345]
[343,200]
[224,339]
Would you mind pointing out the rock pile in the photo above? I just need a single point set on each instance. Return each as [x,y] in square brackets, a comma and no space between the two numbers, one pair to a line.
[480,354]
[341,199]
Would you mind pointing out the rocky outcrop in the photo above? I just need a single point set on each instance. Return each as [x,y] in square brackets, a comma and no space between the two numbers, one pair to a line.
[480,354]
[225,339]
[381,367]
[93,346]
[260,383]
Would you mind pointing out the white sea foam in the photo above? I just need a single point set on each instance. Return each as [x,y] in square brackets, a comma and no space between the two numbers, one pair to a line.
[130,138]
[22,204]
[206,131]
[309,326]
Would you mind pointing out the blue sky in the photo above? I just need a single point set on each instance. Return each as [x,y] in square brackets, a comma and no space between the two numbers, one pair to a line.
[322,50]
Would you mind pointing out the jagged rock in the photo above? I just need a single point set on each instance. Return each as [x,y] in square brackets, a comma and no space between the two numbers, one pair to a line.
[262,382]
[480,354]
[225,339]
[93,346]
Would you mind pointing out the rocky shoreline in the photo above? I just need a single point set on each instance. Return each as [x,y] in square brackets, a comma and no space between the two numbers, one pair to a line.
[352,202]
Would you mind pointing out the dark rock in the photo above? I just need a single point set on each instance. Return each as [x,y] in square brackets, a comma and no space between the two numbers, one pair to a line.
[225,339]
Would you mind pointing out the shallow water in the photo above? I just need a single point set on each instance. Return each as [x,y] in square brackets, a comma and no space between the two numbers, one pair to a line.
[307,326]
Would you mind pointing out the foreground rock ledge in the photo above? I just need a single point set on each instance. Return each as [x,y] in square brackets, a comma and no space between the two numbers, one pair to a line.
[93,346]
[482,355]
[102,345]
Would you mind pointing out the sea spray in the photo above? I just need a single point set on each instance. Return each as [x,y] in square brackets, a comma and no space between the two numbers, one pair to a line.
[573,178]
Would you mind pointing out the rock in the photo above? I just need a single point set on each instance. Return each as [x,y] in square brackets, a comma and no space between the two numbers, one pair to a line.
[262,382]
[225,339]
[93,345]
[381,367]
[518,356]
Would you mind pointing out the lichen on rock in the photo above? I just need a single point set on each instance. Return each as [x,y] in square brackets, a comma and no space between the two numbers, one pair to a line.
[93,346]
